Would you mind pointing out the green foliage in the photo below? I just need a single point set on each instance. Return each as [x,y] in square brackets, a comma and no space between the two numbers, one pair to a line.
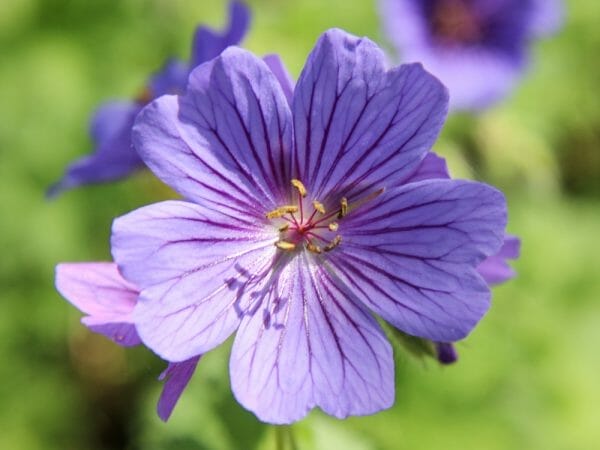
[527,377]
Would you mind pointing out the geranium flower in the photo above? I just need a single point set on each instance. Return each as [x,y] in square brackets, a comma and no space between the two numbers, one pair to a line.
[98,290]
[114,157]
[478,48]
[300,221]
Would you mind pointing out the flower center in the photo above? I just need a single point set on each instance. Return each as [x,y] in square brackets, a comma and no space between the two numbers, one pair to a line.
[309,224]
[455,21]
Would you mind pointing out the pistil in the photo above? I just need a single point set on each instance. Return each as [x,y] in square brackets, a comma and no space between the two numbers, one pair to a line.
[305,231]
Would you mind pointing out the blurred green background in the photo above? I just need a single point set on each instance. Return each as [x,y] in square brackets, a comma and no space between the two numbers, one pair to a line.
[528,375]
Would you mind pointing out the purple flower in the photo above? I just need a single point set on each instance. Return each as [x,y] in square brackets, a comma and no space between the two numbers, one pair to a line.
[301,221]
[114,157]
[98,290]
[478,48]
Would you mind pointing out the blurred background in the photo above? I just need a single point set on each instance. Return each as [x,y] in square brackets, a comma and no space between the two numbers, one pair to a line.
[527,377]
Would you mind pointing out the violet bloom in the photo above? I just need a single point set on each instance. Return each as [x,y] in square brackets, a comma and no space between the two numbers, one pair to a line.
[301,222]
[98,290]
[114,157]
[478,48]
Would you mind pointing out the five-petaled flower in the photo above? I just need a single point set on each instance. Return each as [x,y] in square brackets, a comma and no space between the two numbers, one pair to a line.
[478,48]
[114,157]
[306,211]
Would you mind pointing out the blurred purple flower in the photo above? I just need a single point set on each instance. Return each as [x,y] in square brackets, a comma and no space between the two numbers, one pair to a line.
[98,290]
[114,157]
[478,48]
[305,213]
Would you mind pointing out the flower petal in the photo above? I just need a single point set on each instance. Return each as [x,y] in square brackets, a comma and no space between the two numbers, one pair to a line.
[411,255]
[475,78]
[356,124]
[208,44]
[113,157]
[99,290]
[197,270]
[226,142]
[547,17]
[171,79]
[283,76]
[431,167]
[177,377]
[310,344]
[495,269]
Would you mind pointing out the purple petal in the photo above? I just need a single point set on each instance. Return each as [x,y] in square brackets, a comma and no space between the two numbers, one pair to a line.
[310,345]
[99,290]
[411,255]
[208,44]
[171,79]
[355,123]
[225,143]
[431,167]
[113,156]
[495,269]
[177,377]
[197,270]
[476,79]
[547,17]
[281,73]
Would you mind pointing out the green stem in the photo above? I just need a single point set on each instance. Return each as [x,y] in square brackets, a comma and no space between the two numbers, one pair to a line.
[279,438]
[284,438]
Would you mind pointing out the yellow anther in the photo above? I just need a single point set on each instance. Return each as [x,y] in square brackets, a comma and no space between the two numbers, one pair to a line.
[319,206]
[289,209]
[284,227]
[298,185]
[285,245]
[276,213]
[333,226]
[343,207]
[281,211]
[333,244]
[313,248]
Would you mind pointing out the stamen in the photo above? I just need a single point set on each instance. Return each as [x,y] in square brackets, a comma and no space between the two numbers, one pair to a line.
[285,245]
[333,226]
[281,211]
[343,207]
[319,206]
[313,248]
[333,244]
[284,227]
[368,198]
[298,185]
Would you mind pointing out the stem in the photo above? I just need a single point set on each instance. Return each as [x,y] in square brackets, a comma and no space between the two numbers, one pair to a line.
[279,438]
[284,438]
